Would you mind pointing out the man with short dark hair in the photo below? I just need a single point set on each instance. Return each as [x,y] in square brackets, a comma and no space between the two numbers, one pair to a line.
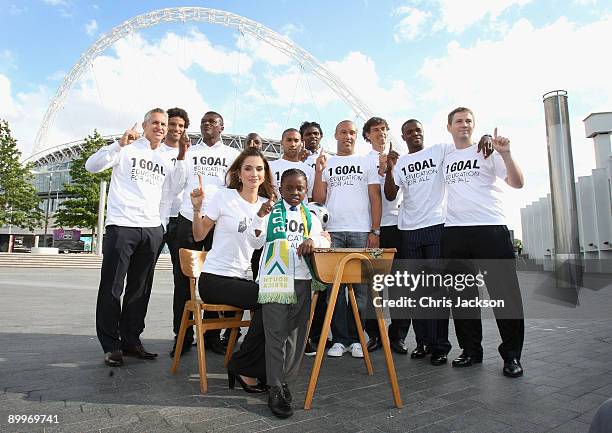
[476,232]
[210,159]
[291,145]
[253,140]
[375,132]
[348,184]
[134,235]
[311,134]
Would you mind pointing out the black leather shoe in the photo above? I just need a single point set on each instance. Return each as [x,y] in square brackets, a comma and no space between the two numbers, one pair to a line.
[259,388]
[513,368]
[139,352]
[438,359]
[277,403]
[225,337]
[287,393]
[310,349]
[420,352]
[465,360]
[398,346]
[374,343]
[215,345]
[113,359]
[186,347]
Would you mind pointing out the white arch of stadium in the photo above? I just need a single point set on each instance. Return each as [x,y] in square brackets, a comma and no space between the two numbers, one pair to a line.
[197,14]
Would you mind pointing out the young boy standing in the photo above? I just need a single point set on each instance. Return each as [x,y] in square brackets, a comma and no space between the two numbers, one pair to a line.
[289,233]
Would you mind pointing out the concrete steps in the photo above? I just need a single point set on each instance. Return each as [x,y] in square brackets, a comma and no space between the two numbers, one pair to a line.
[80,261]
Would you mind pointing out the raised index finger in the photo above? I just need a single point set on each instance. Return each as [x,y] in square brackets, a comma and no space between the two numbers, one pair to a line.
[201,182]
[134,127]
[495,132]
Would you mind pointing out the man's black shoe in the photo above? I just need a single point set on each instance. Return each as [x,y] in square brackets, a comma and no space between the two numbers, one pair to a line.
[398,346]
[113,359]
[513,368]
[225,337]
[420,351]
[186,347]
[139,352]
[277,403]
[310,349]
[465,360]
[374,343]
[438,359]
[215,345]
[287,393]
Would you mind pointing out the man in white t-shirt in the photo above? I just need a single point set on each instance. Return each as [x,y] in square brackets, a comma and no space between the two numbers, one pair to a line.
[311,134]
[349,186]
[291,144]
[375,132]
[211,159]
[476,238]
[134,235]
[421,220]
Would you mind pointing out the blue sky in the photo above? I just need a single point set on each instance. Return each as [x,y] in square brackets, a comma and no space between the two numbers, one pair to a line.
[404,59]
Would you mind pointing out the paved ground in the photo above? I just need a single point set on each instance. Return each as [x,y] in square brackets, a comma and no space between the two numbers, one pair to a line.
[51,363]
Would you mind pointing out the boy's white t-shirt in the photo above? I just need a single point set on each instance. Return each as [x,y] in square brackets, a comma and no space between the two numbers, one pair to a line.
[279,166]
[420,176]
[348,201]
[474,188]
[390,209]
[212,162]
[139,177]
[231,253]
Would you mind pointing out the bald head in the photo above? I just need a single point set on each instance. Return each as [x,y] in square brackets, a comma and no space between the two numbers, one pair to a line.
[346,136]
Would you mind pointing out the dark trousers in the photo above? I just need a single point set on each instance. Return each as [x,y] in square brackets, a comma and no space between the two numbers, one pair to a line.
[184,239]
[316,327]
[130,255]
[424,246]
[470,247]
[250,360]
[390,237]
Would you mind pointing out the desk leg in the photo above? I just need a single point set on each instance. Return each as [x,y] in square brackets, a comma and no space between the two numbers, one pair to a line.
[388,356]
[314,375]
[355,308]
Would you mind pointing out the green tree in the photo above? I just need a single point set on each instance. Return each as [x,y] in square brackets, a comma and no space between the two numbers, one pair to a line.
[18,198]
[81,209]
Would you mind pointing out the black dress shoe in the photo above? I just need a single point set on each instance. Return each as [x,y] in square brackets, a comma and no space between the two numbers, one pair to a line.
[225,337]
[186,347]
[465,360]
[287,393]
[420,351]
[374,343]
[278,404]
[113,359]
[215,345]
[398,346]
[259,388]
[513,368]
[139,352]
[438,359]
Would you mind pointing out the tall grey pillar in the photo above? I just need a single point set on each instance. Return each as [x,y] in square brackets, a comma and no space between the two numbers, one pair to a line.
[101,207]
[566,256]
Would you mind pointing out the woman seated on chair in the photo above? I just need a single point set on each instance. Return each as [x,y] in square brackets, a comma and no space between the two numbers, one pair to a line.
[224,279]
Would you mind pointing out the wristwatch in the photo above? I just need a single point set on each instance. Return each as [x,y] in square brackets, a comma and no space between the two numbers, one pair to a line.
[375,232]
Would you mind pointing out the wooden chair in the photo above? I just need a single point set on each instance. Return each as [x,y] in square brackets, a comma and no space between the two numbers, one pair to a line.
[191,265]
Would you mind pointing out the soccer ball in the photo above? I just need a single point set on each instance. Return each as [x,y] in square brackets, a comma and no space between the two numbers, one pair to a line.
[320,211]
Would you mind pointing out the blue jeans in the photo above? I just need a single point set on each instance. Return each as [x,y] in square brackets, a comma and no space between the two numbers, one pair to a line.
[343,323]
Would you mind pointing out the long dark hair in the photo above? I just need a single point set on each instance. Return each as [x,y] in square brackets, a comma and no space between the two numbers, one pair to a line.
[265,189]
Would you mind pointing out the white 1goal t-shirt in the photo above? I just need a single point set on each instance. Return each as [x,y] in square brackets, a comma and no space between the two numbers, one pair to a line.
[474,188]
[348,201]
[279,166]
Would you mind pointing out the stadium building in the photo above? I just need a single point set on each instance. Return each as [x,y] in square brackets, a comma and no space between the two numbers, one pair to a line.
[52,171]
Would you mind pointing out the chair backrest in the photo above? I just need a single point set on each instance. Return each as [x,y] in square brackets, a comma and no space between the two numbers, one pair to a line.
[191,262]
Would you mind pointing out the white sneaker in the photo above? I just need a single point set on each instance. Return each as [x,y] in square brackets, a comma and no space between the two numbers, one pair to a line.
[338,349]
[356,351]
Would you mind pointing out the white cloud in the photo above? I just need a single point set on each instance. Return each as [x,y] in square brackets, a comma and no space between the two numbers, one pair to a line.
[411,26]
[503,82]
[91,27]
[56,2]
[456,16]
[16,10]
